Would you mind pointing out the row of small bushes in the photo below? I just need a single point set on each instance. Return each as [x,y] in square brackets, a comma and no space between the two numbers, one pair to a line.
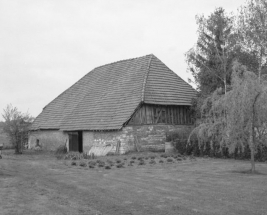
[122,163]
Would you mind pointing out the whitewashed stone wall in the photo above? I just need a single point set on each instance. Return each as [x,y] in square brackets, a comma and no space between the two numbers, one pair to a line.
[48,139]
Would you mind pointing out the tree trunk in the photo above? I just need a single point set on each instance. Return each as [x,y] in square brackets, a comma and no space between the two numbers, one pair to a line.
[17,147]
[252,151]
[252,135]
[225,91]
[259,70]
[17,144]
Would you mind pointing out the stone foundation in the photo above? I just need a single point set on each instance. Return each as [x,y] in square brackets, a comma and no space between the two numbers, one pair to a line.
[130,138]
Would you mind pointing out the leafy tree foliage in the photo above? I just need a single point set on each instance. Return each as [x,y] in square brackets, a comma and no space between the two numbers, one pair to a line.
[252,32]
[210,59]
[222,39]
[16,126]
[246,109]
[231,105]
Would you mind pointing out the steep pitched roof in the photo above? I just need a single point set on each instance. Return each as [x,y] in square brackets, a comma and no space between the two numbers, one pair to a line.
[165,87]
[106,97]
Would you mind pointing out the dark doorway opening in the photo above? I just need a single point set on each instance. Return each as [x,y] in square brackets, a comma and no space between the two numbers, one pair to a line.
[80,141]
[76,141]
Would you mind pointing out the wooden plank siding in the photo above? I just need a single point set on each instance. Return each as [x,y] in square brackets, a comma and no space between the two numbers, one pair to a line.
[161,114]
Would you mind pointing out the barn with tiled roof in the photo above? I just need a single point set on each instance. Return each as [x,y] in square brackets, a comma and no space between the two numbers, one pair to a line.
[128,104]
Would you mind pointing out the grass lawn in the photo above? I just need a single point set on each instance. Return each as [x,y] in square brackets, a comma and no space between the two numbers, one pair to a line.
[38,183]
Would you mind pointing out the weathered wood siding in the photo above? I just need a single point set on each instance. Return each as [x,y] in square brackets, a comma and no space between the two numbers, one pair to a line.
[160,114]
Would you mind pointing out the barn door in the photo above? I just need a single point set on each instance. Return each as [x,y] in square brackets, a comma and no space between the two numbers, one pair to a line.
[76,141]
[73,141]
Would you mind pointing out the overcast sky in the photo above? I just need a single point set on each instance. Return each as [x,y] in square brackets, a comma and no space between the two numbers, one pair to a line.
[47,45]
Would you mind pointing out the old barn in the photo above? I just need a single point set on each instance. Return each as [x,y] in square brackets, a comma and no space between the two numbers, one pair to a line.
[130,103]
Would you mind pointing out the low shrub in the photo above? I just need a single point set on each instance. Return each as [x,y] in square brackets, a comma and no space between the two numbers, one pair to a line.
[62,149]
[111,153]
[140,158]
[179,159]
[83,164]
[177,156]
[109,161]
[73,163]
[152,162]
[130,164]
[91,163]
[161,161]
[146,158]
[170,160]
[132,161]
[91,166]
[87,156]
[100,163]
[121,165]
[152,157]
[141,163]
[133,158]
[125,159]
[107,167]
[73,156]
[164,156]
[118,161]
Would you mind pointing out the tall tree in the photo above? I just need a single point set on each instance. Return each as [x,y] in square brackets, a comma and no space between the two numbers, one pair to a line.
[16,126]
[210,59]
[246,108]
[252,32]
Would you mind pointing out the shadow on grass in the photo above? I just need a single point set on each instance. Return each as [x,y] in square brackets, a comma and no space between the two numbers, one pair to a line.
[3,174]
[248,172]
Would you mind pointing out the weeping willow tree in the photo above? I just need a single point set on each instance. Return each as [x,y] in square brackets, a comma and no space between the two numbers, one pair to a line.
[246,109]
[210,131]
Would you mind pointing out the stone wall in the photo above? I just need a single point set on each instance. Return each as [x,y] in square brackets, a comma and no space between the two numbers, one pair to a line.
[48,139]
[88,140]
[132,138]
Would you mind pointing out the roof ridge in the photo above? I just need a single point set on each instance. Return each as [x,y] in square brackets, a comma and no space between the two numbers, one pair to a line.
[145,78]
[123,60]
